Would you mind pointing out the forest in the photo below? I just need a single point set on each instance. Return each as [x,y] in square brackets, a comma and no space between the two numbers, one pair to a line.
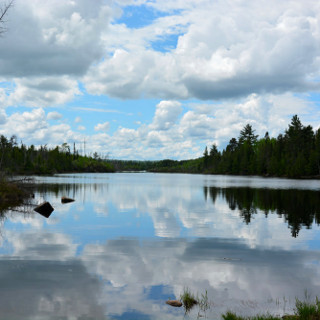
[15,159]
[294,154]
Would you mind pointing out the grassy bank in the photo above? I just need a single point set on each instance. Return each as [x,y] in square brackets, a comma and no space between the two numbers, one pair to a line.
[12,194]
[303,311]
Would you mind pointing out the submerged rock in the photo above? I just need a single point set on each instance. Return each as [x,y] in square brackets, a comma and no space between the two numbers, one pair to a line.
[174,303]
[66,200]
[44,209]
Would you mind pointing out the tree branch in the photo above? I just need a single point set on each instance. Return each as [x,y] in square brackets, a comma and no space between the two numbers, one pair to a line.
[3,13]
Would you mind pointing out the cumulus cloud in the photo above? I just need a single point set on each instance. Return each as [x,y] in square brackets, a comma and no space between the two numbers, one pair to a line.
[220,50]
[3,117]
[54,115]
[166,114]
[56,45]
[102,126]
[56,38]
[256,55]
[81,128]
[33,128]
[172,133]
[42,91]
[225,49]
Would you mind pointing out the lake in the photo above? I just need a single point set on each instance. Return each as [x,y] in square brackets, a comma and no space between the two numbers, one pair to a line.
[130,241]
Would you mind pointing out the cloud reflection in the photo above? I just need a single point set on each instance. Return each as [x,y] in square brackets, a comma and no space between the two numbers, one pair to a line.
[96,262]
[43,289]
[232,272]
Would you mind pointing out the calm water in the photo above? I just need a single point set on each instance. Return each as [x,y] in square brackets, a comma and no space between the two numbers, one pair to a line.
[130,241]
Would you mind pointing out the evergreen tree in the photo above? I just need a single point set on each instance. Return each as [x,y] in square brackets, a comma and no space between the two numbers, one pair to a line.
[205,158]
[247,135]
[233,145]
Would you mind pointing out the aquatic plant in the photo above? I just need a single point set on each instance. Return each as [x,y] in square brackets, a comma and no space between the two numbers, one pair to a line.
[304,311]
[204,303]
[232,316]
[188,300]
[308,311]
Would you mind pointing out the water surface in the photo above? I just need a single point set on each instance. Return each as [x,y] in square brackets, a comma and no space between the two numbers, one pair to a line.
[130,241]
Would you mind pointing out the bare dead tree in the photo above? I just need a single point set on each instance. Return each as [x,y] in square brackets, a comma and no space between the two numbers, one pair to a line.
[3,12]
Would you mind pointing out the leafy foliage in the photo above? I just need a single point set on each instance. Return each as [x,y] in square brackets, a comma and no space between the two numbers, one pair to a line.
[188,300]
[294,154]
[304,311]
[308,311]
[21,159]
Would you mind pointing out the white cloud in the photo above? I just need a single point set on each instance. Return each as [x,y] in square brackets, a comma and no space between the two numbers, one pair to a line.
[81,128]
[102,126]
[56,38]
[216,123]
[222,50]
[48,46]
[167,113]
[256,55]
[32,128]
[3,117]
[54,115]
[172,133]
[226,49]
[42,91]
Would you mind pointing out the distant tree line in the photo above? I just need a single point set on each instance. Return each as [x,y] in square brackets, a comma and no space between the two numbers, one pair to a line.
[296,153]
[22,159]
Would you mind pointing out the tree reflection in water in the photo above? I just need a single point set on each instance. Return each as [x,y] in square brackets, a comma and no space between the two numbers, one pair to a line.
[298,207]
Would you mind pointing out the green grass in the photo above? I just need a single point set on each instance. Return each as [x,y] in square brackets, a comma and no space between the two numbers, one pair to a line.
[188,300]
[232,316]
[204,303]
[308,311]
[303,311]
[11,194]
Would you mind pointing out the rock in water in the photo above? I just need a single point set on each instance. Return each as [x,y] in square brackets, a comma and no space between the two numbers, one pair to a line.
[174,303]
[66,200]
[44,209]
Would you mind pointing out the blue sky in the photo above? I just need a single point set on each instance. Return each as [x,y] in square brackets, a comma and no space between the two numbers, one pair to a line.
[142,79]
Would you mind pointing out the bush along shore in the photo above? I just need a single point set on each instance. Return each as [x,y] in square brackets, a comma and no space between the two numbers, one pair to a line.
[12,194]
[303,311]
[22,160]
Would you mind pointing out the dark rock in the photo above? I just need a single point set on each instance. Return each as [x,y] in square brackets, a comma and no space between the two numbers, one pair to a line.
[66,200]
[44,209]
[174,303]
